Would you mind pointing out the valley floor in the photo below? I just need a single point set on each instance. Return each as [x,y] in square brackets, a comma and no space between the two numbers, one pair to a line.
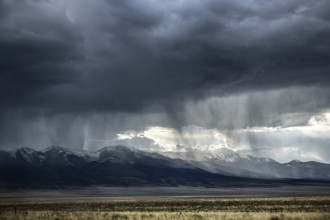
[97,192]
[294,208]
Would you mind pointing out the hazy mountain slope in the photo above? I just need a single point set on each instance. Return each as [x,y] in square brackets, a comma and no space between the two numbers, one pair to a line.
[227,161]
[122,166]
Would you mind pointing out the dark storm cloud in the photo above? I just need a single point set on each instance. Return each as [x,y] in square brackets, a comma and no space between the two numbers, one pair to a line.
[124,55]
[37,46]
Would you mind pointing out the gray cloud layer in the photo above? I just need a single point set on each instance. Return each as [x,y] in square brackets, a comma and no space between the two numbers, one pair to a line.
[124,55]
[78,72]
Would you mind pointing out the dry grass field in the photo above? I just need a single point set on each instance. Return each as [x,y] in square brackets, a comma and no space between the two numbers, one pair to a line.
[184,209]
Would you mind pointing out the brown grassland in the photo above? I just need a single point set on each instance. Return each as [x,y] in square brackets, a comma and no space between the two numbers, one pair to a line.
[302,208]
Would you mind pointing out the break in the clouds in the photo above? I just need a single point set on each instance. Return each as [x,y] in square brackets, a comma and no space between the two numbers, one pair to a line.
[82,73]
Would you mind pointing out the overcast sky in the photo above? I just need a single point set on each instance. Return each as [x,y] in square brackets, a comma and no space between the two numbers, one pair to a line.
[249,75]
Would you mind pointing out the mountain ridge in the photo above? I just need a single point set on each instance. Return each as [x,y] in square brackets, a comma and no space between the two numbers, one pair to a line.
[251,166]
[124,166]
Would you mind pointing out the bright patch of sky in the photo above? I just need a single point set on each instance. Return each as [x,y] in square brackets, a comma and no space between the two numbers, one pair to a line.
[170,139]
[305,142]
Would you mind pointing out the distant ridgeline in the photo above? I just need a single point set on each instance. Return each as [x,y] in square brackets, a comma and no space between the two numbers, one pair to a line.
[123,166]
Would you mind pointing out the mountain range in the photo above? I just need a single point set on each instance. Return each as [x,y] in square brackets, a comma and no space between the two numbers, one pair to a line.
[122,166]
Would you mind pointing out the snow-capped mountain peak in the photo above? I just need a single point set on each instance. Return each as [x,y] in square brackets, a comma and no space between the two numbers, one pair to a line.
[57,150]
[27,155]
[203,154]
[24,151]
[117,148]
[221,161]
